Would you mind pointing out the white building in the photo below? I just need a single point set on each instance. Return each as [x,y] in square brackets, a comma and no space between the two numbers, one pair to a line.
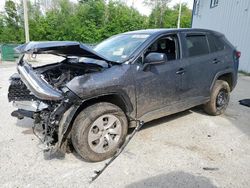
[231,17]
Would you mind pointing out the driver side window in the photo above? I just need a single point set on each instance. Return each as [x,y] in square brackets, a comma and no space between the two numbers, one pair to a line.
[167,44]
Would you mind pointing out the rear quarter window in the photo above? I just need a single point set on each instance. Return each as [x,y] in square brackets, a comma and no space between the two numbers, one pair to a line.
[197,45]
[215,43]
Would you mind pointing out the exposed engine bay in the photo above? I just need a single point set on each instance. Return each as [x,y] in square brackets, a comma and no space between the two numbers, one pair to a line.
[58,75]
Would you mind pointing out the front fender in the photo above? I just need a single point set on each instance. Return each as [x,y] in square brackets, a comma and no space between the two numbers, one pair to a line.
[117,80]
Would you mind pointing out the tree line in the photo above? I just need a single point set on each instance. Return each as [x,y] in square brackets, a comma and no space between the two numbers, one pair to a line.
[88,21]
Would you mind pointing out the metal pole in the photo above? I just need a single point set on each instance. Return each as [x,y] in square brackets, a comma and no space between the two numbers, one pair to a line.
[179,16]
[26,22]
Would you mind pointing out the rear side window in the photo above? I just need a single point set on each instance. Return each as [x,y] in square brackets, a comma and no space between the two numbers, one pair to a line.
[197,45]
[215,43]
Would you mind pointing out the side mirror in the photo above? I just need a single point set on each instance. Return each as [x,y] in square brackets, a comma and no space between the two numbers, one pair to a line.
[154,59]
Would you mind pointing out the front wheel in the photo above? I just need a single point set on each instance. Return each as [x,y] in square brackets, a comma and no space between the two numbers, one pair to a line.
[98,131]
[219,98]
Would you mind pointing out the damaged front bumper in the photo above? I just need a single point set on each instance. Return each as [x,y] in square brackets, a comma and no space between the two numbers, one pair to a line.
[33,106]
[52,109]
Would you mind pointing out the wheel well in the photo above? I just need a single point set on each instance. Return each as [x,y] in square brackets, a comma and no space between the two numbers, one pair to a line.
[113,98]
[228,77]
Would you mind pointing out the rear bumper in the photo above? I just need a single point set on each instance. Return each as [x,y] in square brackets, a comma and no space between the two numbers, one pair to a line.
[39,87]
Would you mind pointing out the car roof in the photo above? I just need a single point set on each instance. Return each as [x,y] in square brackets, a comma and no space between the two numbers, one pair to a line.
[163,30]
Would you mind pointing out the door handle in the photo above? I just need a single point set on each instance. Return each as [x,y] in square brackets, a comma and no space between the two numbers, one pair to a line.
[216,61]
[180,71]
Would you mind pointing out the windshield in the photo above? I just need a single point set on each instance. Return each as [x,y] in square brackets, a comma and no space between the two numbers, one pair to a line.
[120,47]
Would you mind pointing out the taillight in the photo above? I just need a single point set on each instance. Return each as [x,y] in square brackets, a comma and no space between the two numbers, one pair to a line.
[237,54]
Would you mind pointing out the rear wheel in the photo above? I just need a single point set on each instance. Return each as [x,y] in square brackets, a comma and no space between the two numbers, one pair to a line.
[98,131]
[219,98]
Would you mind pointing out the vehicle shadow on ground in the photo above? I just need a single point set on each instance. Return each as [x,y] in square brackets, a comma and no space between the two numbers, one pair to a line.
[199,110]
[25,123]
[174,179]
[165,119]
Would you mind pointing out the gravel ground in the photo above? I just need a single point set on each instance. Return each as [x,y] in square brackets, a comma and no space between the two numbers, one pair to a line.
[188,149]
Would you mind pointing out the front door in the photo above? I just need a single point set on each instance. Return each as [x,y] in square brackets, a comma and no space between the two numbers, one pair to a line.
[158,87]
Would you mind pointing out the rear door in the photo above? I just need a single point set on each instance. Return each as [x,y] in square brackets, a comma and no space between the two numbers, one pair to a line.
[221,59]
[198,72]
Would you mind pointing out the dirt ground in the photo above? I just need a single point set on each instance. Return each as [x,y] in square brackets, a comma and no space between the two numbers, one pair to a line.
[188,149]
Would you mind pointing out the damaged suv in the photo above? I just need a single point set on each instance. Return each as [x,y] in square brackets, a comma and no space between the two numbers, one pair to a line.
[93,96]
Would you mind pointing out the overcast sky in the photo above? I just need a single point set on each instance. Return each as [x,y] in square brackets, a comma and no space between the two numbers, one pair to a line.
[138,4]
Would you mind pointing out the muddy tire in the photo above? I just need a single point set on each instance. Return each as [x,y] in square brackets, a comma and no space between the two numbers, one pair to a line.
[219,98]
[98,131]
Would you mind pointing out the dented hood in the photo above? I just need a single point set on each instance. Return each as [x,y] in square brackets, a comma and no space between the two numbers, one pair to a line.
[61,48]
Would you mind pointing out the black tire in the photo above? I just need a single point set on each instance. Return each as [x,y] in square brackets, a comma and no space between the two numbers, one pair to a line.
[215,106]
[83,124]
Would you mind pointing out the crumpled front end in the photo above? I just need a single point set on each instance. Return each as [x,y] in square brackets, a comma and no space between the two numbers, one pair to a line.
[41,94]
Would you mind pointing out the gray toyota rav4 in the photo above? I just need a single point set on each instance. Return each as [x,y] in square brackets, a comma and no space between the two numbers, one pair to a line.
[93,96]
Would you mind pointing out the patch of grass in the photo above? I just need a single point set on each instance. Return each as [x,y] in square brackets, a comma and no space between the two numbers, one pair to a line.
[244,73]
